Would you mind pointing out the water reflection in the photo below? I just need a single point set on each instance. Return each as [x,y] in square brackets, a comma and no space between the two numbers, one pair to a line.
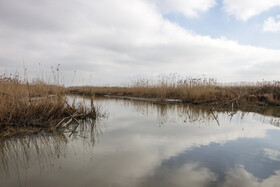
[142,144]
[20,151]
[172,112]
[194,114]
[238,176]
[249,155]
[44,151]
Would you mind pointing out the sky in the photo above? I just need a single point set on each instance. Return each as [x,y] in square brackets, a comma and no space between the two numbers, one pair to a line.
[109,42]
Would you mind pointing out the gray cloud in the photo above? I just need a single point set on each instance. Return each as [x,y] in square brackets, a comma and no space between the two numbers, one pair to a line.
[239,176]
[115,41]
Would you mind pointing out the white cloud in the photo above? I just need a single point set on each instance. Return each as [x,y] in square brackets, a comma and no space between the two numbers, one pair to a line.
[272,154]
[190,173]
[246,9]
[239,176]
[115,41]
[272,24]
[190,8]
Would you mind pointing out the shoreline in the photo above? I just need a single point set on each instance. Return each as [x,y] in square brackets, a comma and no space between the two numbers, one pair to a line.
[222,104]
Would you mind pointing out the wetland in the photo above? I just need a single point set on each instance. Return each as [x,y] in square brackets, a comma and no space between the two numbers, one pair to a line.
[139,143]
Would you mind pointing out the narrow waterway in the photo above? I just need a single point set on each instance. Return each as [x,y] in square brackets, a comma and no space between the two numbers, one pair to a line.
[143,144]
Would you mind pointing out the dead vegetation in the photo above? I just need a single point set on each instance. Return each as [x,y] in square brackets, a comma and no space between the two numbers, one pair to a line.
[194,90]
[32,107]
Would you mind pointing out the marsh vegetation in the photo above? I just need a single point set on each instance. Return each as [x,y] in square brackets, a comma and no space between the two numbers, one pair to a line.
[33,106]
[205,91]
[30,107]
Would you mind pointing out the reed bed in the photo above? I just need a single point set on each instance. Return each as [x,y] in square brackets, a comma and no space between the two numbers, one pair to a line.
[205,91]
[32,107]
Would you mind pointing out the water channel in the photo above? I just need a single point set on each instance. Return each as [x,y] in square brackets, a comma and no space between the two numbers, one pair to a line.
[143,144]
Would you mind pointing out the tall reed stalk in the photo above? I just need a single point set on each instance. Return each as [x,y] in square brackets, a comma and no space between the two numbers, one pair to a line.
[30,107]
[194,90]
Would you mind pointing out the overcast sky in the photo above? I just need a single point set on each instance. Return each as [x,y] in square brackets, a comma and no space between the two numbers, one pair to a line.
[107,42]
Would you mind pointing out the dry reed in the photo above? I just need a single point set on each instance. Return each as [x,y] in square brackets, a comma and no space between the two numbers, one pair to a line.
[195,91]
[30,107]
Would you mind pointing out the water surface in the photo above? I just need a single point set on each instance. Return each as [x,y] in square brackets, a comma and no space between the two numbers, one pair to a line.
[142,144]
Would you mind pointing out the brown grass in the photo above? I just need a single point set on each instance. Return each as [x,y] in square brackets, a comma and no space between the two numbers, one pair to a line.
[30,107]
[195,91]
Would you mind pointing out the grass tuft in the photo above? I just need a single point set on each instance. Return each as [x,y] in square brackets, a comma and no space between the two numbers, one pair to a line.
[32,107]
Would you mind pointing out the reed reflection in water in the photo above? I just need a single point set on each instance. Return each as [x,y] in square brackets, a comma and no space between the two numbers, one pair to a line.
[20,151]
[45,150]
[144,144]
[196,114]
